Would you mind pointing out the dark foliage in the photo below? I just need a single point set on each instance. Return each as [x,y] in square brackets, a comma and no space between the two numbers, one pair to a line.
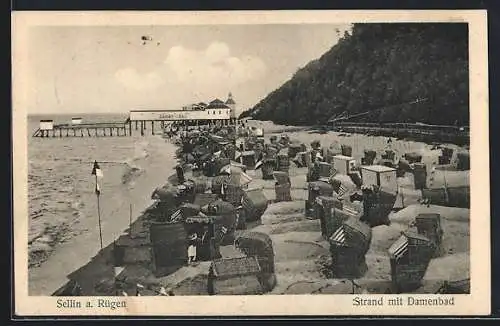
[380,68]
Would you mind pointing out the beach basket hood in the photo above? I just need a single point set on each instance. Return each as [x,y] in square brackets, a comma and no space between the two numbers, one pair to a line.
[164,193]
[240,179]
[259,245]
[231,168]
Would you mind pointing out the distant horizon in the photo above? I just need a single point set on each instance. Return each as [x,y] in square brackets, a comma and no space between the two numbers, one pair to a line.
[74,114]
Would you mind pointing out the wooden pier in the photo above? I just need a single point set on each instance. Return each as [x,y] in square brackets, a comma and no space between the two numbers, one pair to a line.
[48,129]
[98,129]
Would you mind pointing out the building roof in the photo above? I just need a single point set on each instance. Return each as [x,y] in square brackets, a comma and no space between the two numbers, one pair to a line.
[217,104]
[216,101]
[236,266]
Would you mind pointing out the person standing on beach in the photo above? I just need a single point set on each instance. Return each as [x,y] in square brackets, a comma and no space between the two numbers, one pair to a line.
[192,248]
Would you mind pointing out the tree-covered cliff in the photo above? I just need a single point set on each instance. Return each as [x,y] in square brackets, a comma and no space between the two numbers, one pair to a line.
[380,66]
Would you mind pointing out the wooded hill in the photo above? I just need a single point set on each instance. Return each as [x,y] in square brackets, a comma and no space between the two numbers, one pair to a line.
[380,68]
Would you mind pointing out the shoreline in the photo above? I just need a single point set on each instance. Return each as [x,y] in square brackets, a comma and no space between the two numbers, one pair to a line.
[70,255]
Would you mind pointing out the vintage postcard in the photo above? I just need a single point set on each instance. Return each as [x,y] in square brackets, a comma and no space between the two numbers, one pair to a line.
[251,163]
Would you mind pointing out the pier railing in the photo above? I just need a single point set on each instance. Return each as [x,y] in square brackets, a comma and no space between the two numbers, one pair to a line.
[95,129]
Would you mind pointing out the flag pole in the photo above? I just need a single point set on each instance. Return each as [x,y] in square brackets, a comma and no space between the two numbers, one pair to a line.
[130,221]
[99,213]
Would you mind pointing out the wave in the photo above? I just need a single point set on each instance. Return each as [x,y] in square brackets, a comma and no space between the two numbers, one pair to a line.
[132,170]
[141,151]
[131,173]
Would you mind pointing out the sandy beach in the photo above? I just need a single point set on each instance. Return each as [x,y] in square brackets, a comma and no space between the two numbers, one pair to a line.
[301,254]
[302,257]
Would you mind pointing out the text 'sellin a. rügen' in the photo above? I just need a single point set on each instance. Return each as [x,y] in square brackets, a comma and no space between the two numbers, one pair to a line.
[99,303]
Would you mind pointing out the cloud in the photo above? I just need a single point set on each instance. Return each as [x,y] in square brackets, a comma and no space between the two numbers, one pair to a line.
[207,72]
[132,79]
[214,65]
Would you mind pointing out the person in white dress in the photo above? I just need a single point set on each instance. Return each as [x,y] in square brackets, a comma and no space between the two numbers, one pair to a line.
[192,248]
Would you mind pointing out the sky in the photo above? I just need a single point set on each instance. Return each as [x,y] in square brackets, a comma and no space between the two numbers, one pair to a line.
[95,69]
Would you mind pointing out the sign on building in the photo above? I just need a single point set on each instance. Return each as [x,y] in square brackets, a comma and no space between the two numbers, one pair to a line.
[208,114]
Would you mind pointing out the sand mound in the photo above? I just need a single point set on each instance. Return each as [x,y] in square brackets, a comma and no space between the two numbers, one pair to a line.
[451,267]
[383,237]
[379,266]
[298,245]
[283,208]
[196,285]
[303,287]
[300,269]
[409,213]
[270,219]
[298,226]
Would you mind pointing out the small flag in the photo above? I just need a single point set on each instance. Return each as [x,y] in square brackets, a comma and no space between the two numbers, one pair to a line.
[259,163]
[96,170]
[224,230]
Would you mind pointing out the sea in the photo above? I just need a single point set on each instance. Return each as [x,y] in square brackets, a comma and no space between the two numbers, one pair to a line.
[63,214]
